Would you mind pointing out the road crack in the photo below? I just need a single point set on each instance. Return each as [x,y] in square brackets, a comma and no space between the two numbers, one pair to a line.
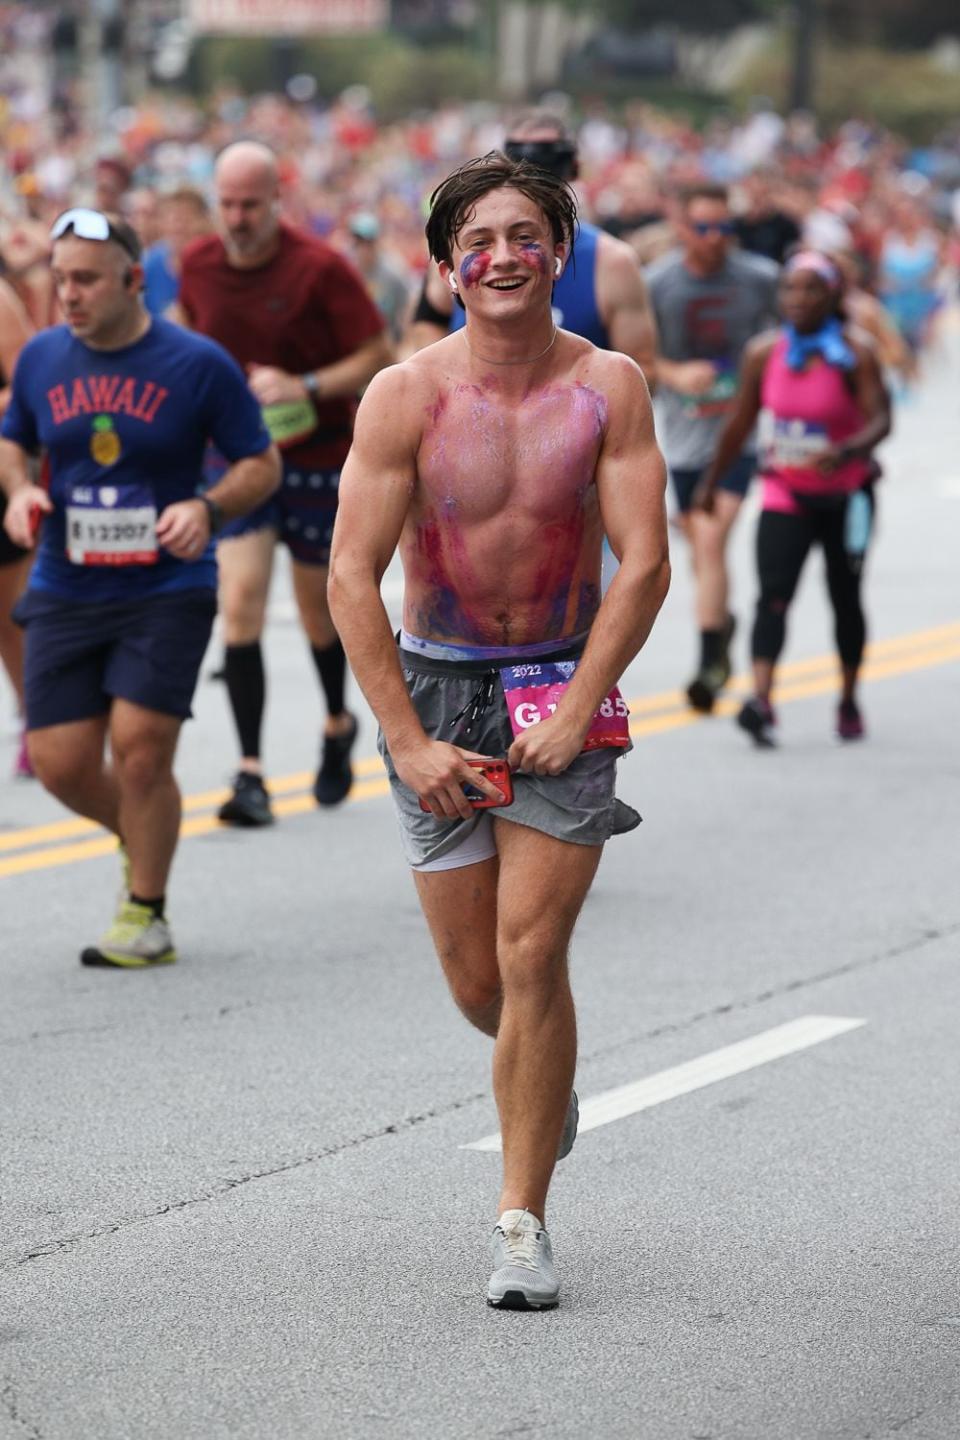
[789,987]
[226,1186]
[11,1404]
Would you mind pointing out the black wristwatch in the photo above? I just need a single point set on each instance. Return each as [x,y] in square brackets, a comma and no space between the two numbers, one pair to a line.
[215,513]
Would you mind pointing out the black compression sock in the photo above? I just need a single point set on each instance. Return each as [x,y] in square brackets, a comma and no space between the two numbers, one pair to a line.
[246,686]
[157,906]
[711,648]
[331,665]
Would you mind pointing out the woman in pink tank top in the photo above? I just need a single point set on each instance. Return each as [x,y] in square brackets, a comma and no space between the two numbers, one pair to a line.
[817,390]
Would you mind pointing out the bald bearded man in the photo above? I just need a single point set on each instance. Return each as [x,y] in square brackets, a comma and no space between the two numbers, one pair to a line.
[297,316]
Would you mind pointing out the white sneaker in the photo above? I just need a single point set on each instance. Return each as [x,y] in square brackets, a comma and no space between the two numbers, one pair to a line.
[523,1275]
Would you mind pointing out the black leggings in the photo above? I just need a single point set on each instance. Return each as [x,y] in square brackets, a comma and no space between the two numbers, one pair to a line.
[783,543]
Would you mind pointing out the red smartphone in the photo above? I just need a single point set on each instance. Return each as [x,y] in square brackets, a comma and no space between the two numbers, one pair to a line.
[497,771]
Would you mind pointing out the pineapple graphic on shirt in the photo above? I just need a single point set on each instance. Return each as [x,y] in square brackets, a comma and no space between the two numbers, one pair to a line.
[104,442]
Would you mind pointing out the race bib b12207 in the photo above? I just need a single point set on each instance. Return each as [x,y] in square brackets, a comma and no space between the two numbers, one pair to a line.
[112,525]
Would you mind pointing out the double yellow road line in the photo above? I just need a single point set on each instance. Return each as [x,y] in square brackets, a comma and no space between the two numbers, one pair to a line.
[66,842]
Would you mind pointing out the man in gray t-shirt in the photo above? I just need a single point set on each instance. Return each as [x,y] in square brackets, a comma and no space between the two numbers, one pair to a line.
[709,300]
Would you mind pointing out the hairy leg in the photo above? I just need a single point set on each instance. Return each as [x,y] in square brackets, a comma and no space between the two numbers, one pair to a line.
[708,535]
[13,579]
[542,886]
[461,910]
[69,761]
[144,743]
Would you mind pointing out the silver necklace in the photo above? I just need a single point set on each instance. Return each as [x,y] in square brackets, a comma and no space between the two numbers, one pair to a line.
[531,360]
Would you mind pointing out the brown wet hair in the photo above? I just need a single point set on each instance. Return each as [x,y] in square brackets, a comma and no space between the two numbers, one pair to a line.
[453,202]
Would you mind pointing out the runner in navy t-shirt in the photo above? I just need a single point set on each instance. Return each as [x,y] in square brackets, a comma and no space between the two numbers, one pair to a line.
[123,592]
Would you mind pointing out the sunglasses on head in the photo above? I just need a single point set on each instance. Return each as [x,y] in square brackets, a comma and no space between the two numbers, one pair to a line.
[556,156]
[709,227]
[90,225]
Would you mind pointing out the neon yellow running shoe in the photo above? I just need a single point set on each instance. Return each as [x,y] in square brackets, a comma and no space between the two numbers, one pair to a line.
[137,938]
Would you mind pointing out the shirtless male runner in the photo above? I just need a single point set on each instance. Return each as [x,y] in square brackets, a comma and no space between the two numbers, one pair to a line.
[496,459]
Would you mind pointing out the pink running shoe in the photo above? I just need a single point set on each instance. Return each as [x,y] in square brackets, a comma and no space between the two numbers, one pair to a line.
[22,769]
[850,724]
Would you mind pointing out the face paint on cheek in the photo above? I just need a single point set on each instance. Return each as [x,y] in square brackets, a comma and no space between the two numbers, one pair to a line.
[474,267]
[534,255]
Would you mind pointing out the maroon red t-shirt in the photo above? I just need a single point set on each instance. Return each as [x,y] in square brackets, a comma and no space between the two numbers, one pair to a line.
[306,308]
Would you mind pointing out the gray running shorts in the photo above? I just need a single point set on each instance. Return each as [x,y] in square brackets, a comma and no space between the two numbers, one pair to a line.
[463,703]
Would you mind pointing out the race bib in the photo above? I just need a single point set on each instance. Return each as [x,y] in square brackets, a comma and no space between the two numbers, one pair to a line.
[112,525]
[534,691]
[790,444]
[290,422]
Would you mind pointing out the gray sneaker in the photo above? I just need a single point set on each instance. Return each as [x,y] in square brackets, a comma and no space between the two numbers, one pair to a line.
[569,1127]
[523,1275]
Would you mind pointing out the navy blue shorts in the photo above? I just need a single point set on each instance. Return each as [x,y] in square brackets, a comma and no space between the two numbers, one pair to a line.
[736,480]
[80,658]
[302,512]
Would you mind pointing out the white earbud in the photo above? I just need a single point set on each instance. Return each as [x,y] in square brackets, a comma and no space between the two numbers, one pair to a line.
[558,267]
[452,283]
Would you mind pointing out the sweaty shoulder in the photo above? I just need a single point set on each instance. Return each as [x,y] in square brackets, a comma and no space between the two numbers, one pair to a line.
[401,395]
[758,350]
[613,375]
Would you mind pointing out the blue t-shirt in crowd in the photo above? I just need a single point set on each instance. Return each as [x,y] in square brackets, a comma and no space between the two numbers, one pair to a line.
[124,434]
[160,286]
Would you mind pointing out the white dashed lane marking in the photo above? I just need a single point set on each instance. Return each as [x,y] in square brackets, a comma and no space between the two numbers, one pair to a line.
[708,1069]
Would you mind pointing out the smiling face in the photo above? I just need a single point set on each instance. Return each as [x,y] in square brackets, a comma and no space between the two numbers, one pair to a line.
[504,256]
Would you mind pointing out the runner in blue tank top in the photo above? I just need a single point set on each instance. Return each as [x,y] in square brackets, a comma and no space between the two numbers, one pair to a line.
[575,305]
[601,294]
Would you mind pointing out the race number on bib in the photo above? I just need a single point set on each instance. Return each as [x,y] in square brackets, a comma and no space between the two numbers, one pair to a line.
[790,444]
[534,691]
[112,525]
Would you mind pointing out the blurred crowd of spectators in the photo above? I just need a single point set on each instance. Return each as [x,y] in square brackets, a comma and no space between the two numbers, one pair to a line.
[365,185]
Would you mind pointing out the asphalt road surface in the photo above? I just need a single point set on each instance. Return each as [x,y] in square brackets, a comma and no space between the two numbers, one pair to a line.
[235,1197]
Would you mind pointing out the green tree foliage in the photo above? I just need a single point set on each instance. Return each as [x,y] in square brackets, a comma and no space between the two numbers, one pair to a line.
[905,92]
[897,23]
[400,76]
[692,15]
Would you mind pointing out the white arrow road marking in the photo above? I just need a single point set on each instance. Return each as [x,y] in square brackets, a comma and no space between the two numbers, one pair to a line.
[732,1060]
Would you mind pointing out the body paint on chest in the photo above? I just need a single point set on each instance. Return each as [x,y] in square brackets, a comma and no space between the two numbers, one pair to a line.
[440,551]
